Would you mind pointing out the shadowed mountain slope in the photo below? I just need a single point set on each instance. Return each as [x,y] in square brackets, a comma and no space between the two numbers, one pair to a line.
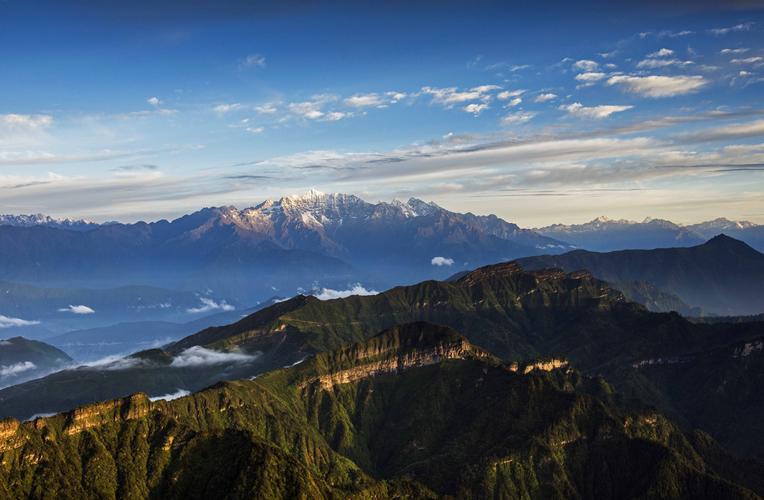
[723,276]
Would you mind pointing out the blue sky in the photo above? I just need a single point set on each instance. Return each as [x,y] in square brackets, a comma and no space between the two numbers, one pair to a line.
[538,112]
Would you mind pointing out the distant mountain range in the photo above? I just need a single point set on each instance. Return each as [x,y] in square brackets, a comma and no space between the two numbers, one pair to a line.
[279,246]
[47,221]
[416,411]
[603,234]
[723,276]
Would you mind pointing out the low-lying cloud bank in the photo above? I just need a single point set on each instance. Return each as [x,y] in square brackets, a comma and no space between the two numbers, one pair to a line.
[192,357]
[16,368]
[357,289]
[8,322]
[173,395]
[200,356]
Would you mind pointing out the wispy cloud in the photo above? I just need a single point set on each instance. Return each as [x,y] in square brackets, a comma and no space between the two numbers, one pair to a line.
[10,122]
[545,97]
[452,96]
[517,117]
[586,65]
[731,29]
[10,322]
[16,368]
[601,111]
[253,61]
[656,86]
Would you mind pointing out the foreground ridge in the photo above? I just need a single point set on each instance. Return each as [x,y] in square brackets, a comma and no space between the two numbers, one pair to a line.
[414,412]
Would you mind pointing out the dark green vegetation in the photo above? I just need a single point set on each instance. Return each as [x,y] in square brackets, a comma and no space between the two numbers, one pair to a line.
[22,359]
[723,276]
[512,313]
[414,412]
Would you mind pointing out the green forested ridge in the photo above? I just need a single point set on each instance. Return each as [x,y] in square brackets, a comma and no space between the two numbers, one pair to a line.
[425,414]
[513,314]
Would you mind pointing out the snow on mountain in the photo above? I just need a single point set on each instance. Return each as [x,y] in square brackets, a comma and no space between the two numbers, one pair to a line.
[46,220]
[604,234]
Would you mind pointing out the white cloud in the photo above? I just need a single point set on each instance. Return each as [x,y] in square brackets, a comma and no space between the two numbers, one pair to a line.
[741,50]
[200,356]
[662,63]
[314,108]
[548,96]
[661,53]
[253,61]
[658,86]
[80,309]
[334,116]
[451,96]
[506,95]
[364,100]
[180,393]
[748,60]
[16,368]
[442,261]
[515,101]
[226,107]
[590,77]
[517,117]
[357,289]
[586,65]
[396,96]
[13,121]
[8,322]
[210,305]
[255,130]
[154,101]
[601,111]
[266,109]
[475,108]
[114,362]
[731,29]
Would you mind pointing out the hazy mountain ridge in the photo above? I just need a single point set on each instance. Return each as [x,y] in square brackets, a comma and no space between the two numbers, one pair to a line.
[47,221]
[723,276]
[22,359]
[604,234]
[293,243]
[460,424]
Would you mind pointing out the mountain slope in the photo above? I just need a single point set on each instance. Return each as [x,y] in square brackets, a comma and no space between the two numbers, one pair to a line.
[22,359]
[722,276]
[415,412]
[512,313]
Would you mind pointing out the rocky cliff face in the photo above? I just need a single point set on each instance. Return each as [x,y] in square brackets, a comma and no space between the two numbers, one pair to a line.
[120,410]
[390,359]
